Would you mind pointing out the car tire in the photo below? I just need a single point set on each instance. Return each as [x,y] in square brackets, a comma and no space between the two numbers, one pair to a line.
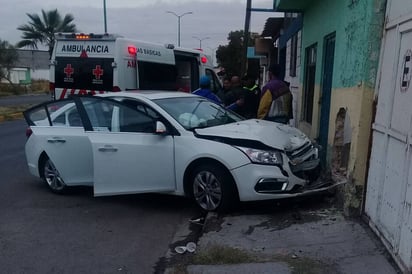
[52,178]
[213,188]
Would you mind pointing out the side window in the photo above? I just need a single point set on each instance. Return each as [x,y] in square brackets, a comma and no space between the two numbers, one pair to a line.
[73,118]
[114,116]
[154,76]
[136,117]
[100,113]
[64,113]
[215,83]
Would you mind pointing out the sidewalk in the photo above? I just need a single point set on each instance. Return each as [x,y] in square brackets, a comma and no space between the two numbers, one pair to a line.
[307,240]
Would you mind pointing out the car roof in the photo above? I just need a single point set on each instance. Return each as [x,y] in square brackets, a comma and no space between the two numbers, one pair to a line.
[148,94]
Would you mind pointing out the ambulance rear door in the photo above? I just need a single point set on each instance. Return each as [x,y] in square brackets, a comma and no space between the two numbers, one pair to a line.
[83,65]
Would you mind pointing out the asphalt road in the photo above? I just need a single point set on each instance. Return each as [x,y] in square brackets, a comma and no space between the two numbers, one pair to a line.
[41,232]
[28,99]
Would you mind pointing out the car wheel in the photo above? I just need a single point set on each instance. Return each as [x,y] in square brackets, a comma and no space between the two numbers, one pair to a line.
[213,188]
[52,177]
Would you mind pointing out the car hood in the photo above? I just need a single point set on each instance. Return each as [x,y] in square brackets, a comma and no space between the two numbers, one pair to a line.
[279,136]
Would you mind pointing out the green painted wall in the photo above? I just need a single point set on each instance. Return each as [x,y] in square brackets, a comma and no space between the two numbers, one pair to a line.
[358,26]
[27,79]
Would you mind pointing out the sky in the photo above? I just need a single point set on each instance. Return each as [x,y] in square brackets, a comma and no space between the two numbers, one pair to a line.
[147,20]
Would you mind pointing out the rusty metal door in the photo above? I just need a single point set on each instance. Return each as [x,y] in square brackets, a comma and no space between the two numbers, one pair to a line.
[389,187]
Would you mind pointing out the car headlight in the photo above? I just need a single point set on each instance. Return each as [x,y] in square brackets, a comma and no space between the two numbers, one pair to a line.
[265,157]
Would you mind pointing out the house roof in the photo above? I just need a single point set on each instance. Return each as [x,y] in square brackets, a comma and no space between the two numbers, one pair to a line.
[272,27]
[34,59]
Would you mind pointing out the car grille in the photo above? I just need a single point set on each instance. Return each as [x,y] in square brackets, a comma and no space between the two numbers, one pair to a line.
[304,161]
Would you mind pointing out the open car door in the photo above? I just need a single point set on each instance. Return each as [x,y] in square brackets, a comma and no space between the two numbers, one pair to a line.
[60,134]
[128,156]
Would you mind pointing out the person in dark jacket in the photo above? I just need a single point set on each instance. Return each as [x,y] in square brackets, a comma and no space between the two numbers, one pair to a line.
[224,94]
[252,96]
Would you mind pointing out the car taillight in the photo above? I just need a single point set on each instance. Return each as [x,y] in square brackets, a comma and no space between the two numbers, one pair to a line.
[28,132]
[116,88]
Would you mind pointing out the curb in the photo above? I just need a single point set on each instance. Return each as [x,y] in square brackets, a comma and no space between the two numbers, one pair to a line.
[181,237]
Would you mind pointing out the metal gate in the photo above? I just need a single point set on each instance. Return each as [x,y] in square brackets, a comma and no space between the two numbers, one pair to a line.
[389,186]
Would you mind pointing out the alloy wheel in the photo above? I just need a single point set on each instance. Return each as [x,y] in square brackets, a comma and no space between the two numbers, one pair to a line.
[207,190]
[52,177]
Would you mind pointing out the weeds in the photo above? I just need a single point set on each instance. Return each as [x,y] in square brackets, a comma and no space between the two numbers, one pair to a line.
[37,86]
[218,254]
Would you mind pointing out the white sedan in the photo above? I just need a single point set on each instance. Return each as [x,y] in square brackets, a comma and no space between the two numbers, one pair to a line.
[168,142]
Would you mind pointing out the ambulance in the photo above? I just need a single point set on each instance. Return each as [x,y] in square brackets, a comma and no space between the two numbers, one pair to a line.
[98,63]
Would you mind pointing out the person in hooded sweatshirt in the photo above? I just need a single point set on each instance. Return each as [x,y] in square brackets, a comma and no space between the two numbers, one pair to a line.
[205,91]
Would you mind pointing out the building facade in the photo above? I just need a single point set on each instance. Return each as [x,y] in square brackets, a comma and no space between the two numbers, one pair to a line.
[340,47]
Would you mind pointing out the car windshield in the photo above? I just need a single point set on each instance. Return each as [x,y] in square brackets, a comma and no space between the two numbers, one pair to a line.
[194,112]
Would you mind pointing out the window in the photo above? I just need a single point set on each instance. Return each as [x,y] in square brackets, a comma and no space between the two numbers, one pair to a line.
[293,55]
[309,83]
[214,82]
[125,116]
[187,71]
[154,76]
[133,120]
[84,73]
[64,113]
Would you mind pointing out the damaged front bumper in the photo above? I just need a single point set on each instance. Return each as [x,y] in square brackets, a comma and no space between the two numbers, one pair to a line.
[302,174]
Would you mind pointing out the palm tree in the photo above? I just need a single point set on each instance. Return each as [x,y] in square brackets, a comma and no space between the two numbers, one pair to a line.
[42,29]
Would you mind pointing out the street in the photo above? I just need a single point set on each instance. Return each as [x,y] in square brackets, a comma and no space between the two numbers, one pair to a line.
[41,232]
[29,99]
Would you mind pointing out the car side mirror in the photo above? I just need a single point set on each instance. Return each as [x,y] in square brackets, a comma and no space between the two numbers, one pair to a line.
[160,128]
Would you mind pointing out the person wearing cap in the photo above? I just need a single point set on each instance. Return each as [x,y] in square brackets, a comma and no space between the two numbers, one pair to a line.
[205,91]
[276,99]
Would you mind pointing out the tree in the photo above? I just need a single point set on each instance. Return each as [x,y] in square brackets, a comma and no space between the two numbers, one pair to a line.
[8,57]
[42,30]
[230,56]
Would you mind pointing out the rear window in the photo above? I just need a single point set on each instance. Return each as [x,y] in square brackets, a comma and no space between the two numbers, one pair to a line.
[57,113]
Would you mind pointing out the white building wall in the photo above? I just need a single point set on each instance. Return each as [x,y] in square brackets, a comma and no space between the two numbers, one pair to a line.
[294,81]
[40,74]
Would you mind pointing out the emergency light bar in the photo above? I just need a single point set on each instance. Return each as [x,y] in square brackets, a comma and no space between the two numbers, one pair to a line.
[84,36]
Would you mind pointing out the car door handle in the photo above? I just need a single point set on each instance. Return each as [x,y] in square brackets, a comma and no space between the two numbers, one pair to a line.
[107,149]
[56,140]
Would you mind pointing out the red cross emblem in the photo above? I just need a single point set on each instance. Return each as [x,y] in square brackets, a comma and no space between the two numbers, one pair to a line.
[97,72]
[68,70]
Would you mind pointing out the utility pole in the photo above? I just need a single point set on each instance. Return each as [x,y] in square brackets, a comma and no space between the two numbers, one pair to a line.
[243,69]
[200,40]
[105,21]
[178,23]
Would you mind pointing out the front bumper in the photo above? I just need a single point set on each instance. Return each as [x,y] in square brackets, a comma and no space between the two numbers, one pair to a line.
[298,176]
[258,182]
